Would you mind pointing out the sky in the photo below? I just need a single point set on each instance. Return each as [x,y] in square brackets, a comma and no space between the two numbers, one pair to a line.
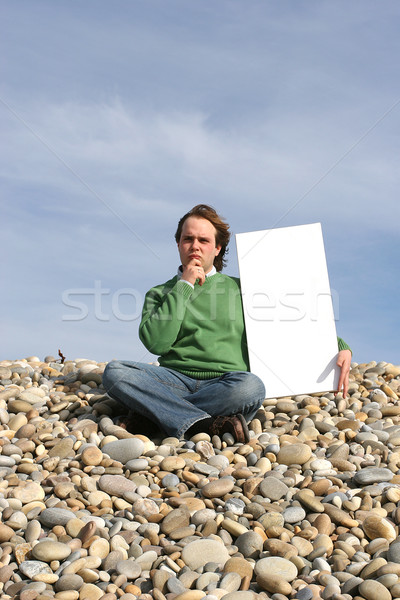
[116,118]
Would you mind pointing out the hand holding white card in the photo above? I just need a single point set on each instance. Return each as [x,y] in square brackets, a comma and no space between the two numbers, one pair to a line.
[287,303]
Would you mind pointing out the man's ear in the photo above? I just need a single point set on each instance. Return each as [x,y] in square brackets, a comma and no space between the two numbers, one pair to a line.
[218,250]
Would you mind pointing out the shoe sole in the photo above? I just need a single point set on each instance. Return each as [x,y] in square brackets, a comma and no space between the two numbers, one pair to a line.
[246,433]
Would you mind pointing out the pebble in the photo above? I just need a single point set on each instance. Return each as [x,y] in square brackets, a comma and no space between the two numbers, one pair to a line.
[235,505]
[6,533]
[116,485]
[294,514]
[29,493]
[239,595]
[275,566]
[50,550]
[238,565]
[274,584]
[130,568]
[63,448]
[376,526]
[172,463]
[50,517]
[68,582]
[294,454]
[273,488]
[92,456]
[308,509]
[217,488]
[250,544]
[231,582]
[177,518]
[198,553]
[373,590]
[140,464]
[393,553]
[372,475]
[34,569]
[124,450]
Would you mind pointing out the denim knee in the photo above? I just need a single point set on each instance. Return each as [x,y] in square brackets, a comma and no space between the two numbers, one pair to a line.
[246,393]
[111,373]
[250,386]
[257,386]
[253,394]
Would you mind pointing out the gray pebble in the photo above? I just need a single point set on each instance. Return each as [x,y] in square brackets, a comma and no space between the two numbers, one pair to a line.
[130,568]
[304,594]
[235,505]
[393,554]
[124,450]
[137,464]
[55,516]
[250,544]
[68,582]
[294,514]
[372,475]
[175,586]
[273,488]
[170,480]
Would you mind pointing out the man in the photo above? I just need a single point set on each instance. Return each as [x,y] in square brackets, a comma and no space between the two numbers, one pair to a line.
[195,323]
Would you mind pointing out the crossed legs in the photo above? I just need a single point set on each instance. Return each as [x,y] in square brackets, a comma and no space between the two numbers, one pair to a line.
[177,402]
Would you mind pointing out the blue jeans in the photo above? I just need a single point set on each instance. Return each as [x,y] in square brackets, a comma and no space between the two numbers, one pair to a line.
[175,401]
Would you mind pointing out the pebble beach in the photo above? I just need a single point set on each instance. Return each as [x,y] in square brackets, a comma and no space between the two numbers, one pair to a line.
[308,509]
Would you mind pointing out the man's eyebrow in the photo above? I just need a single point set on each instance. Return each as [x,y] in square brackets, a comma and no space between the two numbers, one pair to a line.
[189,236]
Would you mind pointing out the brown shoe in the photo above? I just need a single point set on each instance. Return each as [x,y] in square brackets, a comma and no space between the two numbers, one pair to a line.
[234,424]
[135,423]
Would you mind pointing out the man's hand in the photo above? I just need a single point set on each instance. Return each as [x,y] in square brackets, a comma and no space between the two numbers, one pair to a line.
[344,362]
[194,271]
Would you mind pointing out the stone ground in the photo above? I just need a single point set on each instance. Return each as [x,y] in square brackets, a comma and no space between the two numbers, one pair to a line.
[308,509]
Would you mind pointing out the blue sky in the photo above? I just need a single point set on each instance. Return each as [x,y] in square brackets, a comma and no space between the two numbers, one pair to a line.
[117,118]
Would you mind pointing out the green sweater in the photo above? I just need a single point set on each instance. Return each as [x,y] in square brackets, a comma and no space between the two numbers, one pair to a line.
[199,332]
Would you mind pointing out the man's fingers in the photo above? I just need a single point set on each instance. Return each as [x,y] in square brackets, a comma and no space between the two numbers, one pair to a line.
[343,383]
[344,363]
[193,272]
[200,274]
[341,380]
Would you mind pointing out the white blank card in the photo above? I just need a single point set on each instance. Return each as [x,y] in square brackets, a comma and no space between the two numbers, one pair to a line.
[287,303]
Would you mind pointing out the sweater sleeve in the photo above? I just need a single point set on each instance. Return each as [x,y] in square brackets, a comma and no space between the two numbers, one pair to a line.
[342,345]
[162,316]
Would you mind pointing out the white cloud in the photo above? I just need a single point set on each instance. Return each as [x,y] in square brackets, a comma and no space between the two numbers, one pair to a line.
[140,162]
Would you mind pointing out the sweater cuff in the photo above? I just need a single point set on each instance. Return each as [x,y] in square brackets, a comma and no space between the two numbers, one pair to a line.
[184,288]
[188,282]
[342,345]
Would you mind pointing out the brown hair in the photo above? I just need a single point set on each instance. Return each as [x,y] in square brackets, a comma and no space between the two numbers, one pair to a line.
[203,211]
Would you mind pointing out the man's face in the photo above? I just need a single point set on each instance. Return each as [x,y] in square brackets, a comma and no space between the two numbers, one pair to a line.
[197,243]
